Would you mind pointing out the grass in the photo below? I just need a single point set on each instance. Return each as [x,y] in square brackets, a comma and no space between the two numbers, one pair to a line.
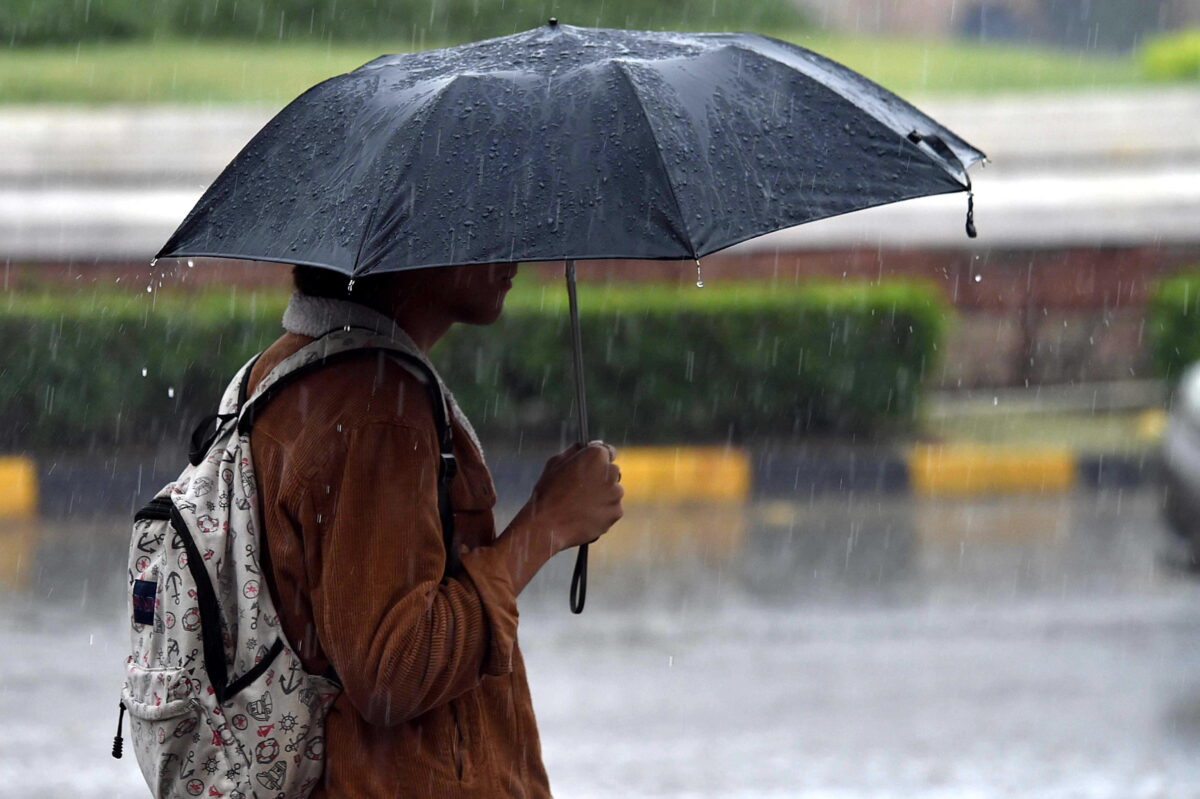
[957,67]
[237,72]
[1133,432]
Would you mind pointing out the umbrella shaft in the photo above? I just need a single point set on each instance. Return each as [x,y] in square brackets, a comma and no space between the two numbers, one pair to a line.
[577,350]
[579,577]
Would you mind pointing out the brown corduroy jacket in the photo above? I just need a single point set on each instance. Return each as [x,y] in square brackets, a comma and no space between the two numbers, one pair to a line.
[435,700]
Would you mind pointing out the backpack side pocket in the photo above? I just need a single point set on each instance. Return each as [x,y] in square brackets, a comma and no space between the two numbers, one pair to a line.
[183,749]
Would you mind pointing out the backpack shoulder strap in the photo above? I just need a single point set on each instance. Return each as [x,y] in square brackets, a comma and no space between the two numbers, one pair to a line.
[212,426]
[341,343]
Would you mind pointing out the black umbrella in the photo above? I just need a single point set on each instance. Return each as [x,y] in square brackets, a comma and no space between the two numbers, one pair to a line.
[565,143]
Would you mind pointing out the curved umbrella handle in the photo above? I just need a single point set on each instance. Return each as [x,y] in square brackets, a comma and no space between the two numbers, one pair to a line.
[579,578]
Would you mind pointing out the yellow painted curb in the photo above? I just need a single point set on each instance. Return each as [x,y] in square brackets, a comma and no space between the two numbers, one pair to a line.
[18,488]
[674,474]
[1152,424]
[943,470]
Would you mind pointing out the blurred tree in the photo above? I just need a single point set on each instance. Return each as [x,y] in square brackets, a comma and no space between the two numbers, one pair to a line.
[1175,56]
[420,21]
[62,21]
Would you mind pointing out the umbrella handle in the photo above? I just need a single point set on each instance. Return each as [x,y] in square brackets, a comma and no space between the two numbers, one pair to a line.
[579,578]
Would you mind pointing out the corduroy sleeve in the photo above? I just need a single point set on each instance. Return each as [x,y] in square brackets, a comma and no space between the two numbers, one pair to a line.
[402,640]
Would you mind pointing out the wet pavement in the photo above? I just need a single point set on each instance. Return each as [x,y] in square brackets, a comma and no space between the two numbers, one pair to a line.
[849,647]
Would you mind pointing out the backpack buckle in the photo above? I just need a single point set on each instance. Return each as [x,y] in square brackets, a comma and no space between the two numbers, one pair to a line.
[449,466]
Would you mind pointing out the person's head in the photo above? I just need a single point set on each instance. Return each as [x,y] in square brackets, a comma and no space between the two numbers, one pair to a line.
[470,294]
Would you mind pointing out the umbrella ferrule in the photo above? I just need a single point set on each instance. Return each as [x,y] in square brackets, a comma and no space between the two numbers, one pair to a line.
[938,145]
[971,232]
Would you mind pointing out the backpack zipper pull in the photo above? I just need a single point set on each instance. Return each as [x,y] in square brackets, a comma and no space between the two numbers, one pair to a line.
[117,743]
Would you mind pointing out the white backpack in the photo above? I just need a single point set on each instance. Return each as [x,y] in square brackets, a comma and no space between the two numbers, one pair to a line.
[219,703]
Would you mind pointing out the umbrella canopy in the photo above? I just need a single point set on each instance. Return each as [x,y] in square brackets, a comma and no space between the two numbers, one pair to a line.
[567,143]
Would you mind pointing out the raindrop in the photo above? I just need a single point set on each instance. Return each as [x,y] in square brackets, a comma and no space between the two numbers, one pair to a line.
[153,261]
[190,263]
[144,371]
[350,288]
[170,391]
[979,278]
[149,289]
[699,281]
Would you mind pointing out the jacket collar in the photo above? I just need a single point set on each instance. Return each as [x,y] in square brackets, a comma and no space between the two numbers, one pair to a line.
[316,316]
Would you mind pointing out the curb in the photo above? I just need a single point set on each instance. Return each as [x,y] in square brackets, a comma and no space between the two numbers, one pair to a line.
[963,470]
[18,488]
[651,475]
[947,471]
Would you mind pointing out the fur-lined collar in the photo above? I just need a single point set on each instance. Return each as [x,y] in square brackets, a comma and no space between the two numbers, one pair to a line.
[316,316]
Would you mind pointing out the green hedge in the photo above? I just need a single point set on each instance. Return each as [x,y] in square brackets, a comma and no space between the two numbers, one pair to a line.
[1175,56]
[1174,324]
[734,363]
[70,21]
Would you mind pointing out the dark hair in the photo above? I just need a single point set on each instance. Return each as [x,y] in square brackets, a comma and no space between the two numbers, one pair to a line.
[316,281]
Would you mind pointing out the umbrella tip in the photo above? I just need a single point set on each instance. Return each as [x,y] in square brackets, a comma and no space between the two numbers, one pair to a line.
[552,22]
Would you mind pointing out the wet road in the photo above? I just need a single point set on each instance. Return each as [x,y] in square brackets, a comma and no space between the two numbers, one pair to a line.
[1030,647]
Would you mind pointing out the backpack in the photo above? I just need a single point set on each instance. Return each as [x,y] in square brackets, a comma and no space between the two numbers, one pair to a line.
[219,703]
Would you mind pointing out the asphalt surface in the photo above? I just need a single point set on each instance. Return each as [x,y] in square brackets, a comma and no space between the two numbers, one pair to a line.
[857,647]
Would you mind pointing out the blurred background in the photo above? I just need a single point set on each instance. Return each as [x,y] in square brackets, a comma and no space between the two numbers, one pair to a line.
[909,514]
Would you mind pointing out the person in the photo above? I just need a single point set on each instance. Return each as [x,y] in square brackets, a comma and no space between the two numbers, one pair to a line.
[435,701]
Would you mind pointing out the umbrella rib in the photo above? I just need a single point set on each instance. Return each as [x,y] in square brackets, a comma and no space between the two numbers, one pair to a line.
[637,99]
[825,73]
[430,108]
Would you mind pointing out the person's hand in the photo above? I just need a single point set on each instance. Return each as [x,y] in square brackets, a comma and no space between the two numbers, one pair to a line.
[578,497]
[576,500]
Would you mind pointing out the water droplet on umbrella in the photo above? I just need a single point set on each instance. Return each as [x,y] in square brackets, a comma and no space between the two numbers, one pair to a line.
[350,287]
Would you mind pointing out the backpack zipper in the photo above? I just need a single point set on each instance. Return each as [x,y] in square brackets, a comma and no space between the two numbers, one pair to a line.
[118,741]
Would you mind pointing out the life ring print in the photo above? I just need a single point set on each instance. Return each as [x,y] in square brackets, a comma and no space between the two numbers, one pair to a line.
[267,751]
[191,620]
